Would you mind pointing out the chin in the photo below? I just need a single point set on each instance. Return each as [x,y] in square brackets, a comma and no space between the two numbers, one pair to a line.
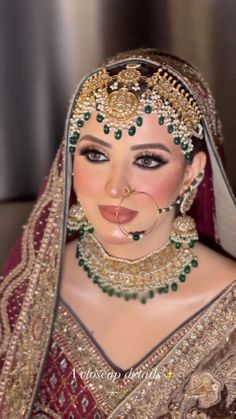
[111,235]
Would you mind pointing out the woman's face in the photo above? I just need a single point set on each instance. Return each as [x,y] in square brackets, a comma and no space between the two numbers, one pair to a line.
[147,162]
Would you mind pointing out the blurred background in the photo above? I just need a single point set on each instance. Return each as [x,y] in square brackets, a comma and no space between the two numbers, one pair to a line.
[46,46]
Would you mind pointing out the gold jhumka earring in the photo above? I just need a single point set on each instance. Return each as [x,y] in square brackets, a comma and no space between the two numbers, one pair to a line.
[77,221]
[184,230]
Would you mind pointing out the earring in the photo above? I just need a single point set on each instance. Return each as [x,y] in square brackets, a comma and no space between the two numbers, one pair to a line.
[184,230]
[77,221]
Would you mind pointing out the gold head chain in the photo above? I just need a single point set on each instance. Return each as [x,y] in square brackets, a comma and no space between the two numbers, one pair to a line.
[121,100]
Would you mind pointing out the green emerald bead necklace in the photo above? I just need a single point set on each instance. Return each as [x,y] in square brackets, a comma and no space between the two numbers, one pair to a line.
[141,279]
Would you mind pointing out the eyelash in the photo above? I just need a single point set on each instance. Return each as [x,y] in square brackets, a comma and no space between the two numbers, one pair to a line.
[150,156]
[144,155]
[87,150]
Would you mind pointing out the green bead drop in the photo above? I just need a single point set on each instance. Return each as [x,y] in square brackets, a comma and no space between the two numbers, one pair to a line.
[78,254]
[177,140]
[81,262]
[178,245]
[182,278]
[80,123]
[151,293]
[184,147]
[90,230]
[96,279]
[187,269]
[111,292]
[131,131]
[166,289]
[104,288]
[188,156]
[148,109]
[136,236]
[192,244]
[194,263]
[170,128]
[143,300]
[99,118]
[139,121]
[87,116]
[106,129]
[72,149]
[161,120]
[118,134]
[73,139]
[174,286]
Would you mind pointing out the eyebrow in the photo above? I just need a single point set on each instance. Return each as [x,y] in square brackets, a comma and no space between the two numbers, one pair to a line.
[134,147]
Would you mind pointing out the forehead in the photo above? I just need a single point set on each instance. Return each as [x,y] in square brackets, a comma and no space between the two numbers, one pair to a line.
[151,132]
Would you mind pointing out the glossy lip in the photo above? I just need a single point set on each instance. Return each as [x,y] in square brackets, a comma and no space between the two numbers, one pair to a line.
[109,213]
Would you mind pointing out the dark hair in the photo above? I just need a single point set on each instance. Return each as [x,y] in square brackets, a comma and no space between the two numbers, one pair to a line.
[198,145]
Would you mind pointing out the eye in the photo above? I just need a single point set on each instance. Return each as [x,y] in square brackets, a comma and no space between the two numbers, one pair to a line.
[93,155]
[149,161]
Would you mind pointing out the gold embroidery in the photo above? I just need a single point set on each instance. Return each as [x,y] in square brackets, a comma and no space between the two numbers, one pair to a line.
[170,364]
[151,396]
[226,369]
[204,387]
[30,337]
[86,357]
[195,414]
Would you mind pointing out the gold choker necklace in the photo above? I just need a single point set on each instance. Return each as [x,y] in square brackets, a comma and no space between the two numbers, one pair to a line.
[157,272]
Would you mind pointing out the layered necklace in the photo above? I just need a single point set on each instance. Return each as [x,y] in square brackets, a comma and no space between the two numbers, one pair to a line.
[158,272]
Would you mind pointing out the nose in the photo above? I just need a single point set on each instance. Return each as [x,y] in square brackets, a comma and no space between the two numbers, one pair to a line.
[117,182]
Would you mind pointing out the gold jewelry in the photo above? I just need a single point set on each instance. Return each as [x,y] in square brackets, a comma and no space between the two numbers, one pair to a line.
[158,272]
[184,230]
[190,193]
[122,99]
[77,221]
[139,234]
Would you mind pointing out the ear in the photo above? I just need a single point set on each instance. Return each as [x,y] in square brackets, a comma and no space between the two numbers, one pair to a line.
[192,170]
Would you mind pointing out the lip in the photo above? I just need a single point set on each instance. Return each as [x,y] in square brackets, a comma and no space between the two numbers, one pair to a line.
[109,213]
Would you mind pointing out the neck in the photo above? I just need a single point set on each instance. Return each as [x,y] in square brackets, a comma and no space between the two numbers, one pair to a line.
[137,249]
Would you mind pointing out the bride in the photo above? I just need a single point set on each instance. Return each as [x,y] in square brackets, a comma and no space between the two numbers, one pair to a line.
[119,300]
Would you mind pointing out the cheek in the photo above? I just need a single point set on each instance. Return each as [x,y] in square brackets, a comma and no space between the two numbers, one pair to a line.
[87,180]
[164,186]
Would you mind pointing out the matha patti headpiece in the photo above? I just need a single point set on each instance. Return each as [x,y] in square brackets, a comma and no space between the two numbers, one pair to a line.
[121,99]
